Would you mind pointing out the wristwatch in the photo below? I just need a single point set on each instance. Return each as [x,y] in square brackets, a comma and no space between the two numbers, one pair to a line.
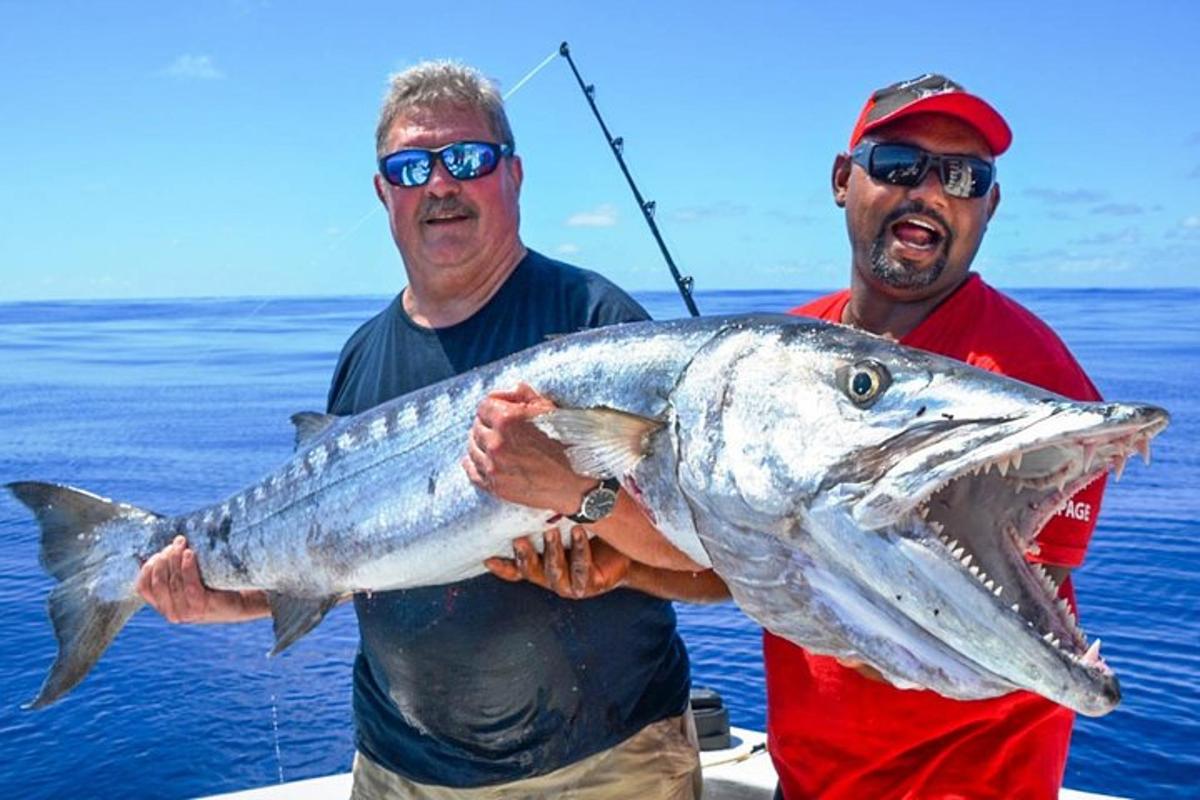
[598,503]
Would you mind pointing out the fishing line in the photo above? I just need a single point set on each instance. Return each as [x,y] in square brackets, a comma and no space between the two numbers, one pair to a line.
[530,74]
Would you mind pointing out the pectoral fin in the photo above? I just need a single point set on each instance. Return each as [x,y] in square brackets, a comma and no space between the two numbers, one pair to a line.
[296,616]
[601,442]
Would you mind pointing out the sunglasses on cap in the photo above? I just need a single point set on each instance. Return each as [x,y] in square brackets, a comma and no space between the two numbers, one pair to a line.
[466,161]
[906,165]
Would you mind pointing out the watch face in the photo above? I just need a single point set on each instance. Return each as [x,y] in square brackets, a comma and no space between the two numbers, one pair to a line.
[598,503]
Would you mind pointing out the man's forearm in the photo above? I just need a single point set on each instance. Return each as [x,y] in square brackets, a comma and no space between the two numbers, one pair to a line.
[700,586]
[628,530]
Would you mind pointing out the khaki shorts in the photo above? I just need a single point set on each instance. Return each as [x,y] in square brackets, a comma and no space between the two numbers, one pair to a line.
[659,762]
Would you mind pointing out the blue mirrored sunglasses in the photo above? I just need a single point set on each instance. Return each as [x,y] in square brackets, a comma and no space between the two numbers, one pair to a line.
[465,161]
[907,165]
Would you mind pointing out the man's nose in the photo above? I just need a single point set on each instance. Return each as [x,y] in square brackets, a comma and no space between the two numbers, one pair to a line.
[441,182]
[930,189]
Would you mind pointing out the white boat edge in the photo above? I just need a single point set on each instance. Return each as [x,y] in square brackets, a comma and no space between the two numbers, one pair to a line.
[741,772]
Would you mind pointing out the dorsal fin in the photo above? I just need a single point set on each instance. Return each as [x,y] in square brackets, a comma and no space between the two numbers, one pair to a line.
[310,425]
[601,442]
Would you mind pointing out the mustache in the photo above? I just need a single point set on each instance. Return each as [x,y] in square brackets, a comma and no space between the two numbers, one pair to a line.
[445,207]
[915,207]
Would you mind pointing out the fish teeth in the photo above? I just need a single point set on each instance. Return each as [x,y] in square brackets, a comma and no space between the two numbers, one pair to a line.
[1002,467]
[997,590]
[974,569]
[966,560]
[1143,446]
[1119,466]
[1092,656]
[958,552]
[1016,608]
[990,584]
[1047,637]
[1089,454]
[1016,460]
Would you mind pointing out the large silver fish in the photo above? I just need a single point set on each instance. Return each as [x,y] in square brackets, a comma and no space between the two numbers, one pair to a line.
[860,498]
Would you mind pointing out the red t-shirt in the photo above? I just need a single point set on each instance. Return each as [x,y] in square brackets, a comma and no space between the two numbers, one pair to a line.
[835,734]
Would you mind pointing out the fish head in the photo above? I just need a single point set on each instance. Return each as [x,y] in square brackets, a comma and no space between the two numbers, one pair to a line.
[899,495]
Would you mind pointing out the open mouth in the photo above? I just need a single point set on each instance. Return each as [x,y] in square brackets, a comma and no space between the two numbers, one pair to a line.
[917,233]
[985,507]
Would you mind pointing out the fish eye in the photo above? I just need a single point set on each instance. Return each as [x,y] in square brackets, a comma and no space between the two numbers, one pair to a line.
[864,382]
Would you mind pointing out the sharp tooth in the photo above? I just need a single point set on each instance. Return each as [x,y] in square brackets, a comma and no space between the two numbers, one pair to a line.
[1119,466]
[1047,637]
[1060,482]
[1016,460]
[990,584]
[1016,609]
[1092,656]
[998,590]
[1143,447]
[958,552]
[1089,453]
[974,570]
[1002,467]
[1056,641]
[954,544]
[966,562]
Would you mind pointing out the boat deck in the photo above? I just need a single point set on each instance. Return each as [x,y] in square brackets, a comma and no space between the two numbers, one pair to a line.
[741,772]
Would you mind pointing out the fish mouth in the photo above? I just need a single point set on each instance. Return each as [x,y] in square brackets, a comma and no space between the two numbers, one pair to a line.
[977,493]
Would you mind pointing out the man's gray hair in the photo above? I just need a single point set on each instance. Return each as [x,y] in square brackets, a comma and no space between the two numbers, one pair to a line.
[434,84]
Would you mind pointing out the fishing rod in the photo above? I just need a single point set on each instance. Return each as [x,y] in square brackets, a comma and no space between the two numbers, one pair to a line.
[647,206]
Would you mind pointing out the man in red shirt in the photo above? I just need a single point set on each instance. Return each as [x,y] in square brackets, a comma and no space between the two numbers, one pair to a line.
[918,186]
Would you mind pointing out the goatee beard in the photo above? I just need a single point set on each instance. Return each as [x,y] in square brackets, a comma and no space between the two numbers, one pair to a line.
[898,274]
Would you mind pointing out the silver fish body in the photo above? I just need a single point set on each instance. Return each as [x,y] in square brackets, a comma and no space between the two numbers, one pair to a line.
[827,475]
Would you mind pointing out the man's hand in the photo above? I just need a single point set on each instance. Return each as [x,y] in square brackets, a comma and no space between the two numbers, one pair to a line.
[510,458]
[170,583]
[592,567]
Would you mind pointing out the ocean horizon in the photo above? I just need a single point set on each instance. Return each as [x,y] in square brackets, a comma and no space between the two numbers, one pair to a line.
[171,403]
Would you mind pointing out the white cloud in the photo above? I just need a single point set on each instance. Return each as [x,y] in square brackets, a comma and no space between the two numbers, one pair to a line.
[603,216]
[194,68]
[567,249]
[1192,221]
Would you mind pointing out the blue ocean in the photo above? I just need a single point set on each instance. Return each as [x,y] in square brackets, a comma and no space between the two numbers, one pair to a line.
[172,404]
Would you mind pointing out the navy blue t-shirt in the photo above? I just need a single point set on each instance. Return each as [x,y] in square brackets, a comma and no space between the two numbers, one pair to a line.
[483,681]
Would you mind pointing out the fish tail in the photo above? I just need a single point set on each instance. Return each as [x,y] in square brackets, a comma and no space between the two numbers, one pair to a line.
[90,546]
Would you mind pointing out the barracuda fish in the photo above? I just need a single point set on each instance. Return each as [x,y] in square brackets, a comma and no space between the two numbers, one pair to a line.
[861,499]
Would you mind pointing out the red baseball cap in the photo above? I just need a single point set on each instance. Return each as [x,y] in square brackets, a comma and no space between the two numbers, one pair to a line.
[936,94]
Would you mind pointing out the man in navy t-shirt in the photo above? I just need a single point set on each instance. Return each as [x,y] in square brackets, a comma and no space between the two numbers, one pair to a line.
[492,687]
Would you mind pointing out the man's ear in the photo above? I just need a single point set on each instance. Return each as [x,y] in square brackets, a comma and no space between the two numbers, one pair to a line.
[993,201]
[379,189]
[839,179]
[517,170]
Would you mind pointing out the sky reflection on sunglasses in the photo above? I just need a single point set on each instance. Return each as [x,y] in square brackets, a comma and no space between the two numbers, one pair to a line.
[465,161]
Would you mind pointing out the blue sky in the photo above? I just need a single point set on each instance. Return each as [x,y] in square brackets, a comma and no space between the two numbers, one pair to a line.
[225,147]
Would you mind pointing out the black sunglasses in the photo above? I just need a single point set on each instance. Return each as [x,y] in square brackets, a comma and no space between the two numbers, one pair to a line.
[906,165]
[466,161]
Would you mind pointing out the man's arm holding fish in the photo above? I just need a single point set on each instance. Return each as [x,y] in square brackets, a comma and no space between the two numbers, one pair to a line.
[510,458]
